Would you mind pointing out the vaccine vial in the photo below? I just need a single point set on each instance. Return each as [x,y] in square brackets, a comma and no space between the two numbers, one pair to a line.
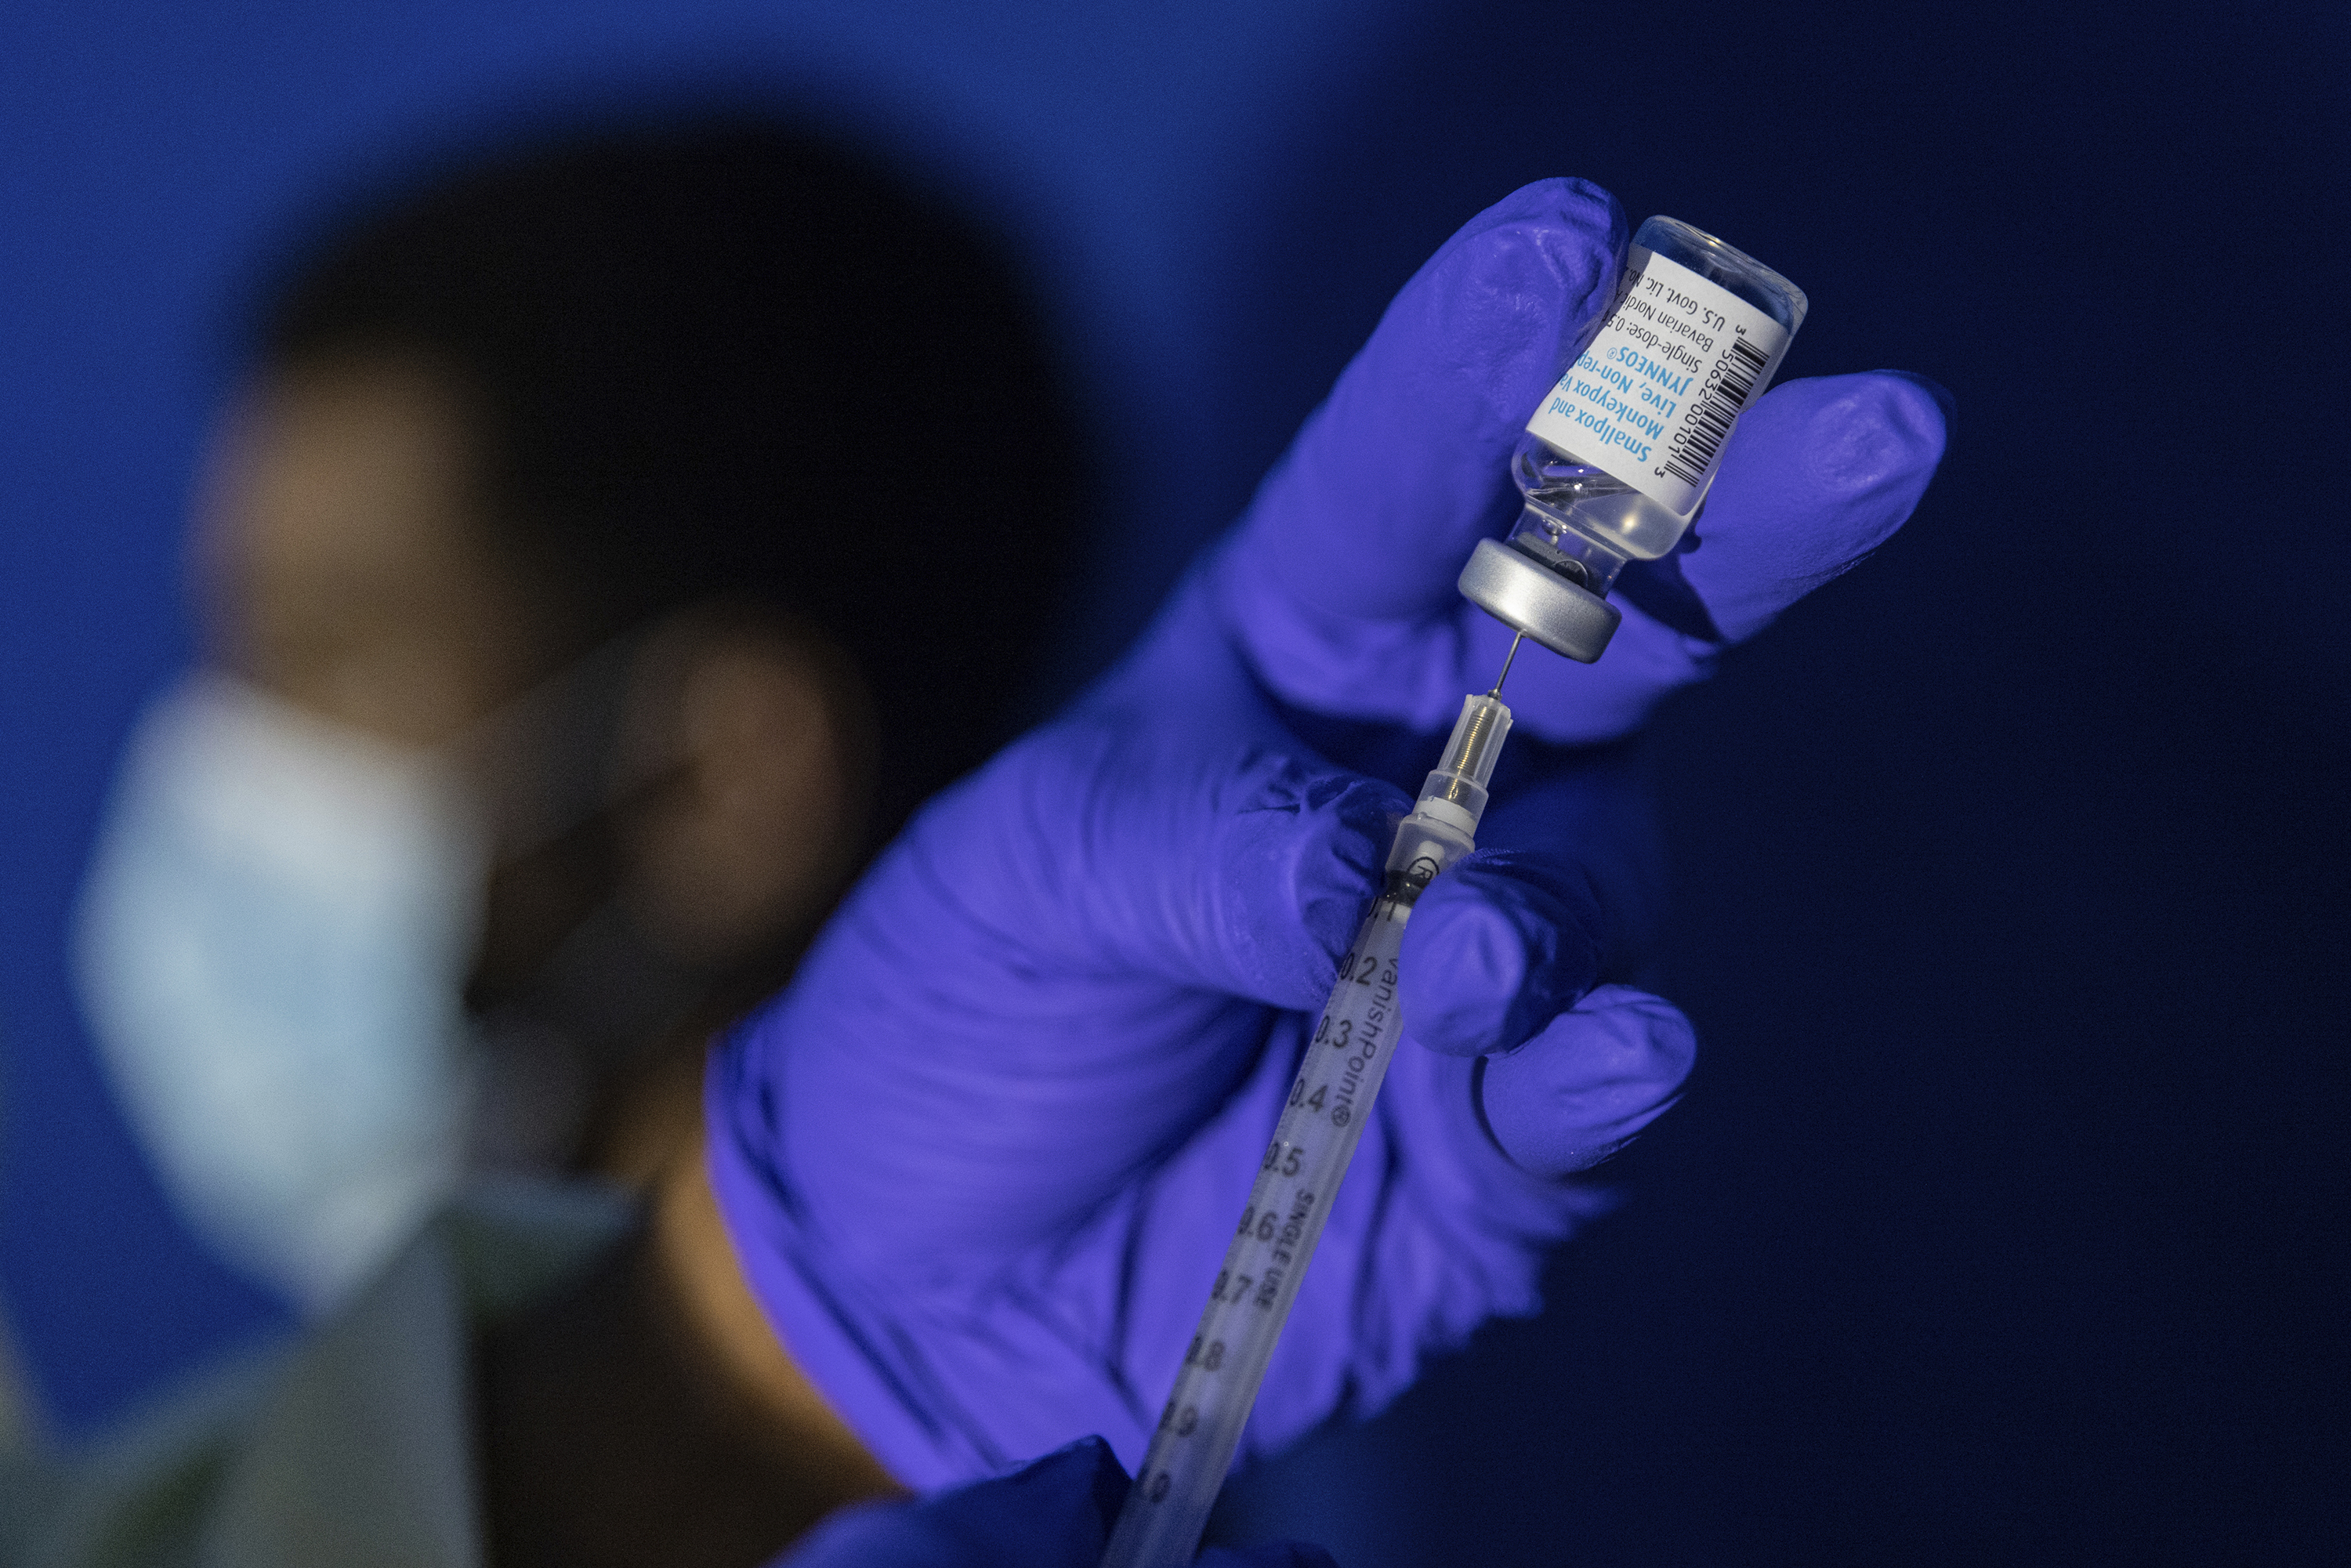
[1616,463]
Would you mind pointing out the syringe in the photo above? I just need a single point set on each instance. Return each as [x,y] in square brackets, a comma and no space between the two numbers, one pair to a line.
[1329,1103]
[1587,517]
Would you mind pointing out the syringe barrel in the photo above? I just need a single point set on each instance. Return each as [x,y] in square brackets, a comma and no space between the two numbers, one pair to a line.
[1339,1073]
[1344,1065]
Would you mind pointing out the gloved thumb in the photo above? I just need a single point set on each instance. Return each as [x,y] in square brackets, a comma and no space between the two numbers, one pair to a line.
[1390,483]
[1092,850]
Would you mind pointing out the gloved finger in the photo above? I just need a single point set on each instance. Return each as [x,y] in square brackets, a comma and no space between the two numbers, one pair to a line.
[1096,850]
[1367,520]
[1497,947]
[1582,1087]
[1818,473]
[1055,1512]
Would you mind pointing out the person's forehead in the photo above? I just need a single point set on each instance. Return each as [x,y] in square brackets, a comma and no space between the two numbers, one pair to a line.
[344,561]
[361,463]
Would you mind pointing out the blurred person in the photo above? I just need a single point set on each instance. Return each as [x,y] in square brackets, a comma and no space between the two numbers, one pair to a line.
[561,557]
[555,587]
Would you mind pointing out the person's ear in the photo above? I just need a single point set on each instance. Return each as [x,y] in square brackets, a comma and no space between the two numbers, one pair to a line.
[761,804]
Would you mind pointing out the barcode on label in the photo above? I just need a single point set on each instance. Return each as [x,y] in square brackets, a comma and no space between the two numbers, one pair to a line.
[1710,422]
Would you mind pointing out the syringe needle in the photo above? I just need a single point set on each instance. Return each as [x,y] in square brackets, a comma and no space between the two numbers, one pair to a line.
[1506,664]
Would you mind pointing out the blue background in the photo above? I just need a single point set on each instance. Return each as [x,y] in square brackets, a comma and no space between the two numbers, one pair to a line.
[2004,1219]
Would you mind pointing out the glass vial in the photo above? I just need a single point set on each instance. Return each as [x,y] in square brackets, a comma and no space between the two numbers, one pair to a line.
[1619,459]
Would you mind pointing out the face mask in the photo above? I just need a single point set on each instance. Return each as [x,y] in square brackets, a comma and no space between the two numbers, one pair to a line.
[270,948]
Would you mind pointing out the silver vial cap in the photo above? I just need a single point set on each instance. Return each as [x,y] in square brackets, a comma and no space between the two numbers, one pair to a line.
[1528,596]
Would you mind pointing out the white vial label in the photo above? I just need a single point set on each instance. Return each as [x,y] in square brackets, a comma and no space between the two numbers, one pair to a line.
[1653,399]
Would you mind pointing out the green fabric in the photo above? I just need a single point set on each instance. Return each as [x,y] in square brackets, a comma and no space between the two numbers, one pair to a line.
[350,1448]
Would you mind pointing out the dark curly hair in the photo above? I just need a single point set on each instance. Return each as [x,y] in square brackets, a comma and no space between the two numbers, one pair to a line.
[725,360]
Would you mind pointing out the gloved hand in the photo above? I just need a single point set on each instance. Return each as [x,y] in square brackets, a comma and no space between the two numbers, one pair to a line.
[980,1161]
[1055,1514]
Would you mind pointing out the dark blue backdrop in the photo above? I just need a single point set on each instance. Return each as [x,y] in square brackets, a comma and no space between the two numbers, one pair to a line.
[2003,1219]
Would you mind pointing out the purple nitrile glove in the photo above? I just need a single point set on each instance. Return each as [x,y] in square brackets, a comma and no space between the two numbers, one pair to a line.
[981,1160]
[1055,1514]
